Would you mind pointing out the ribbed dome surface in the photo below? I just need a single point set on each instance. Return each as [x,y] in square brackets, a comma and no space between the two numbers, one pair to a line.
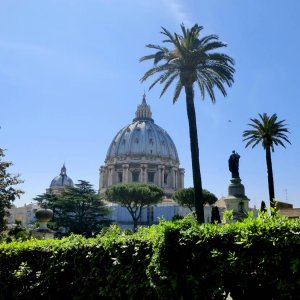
[62,179]
[142,137]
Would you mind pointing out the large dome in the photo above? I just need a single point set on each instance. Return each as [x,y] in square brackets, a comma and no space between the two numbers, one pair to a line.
[142,138]
[142,152]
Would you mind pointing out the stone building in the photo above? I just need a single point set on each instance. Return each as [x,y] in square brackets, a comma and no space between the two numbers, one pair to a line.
[142,152]
[24,214]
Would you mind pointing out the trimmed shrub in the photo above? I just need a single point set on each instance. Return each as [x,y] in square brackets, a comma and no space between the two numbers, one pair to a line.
[173,260]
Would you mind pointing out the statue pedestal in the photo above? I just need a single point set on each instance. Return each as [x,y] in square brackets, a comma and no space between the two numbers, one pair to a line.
[236,199]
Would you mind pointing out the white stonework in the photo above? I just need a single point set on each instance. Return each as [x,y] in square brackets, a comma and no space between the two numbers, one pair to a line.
[152,214]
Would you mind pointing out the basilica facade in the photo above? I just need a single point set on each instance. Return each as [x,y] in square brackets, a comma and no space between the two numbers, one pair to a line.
[142,152]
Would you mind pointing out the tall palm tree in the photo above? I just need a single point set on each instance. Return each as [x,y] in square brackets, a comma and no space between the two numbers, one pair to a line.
[269,132]
[191,60]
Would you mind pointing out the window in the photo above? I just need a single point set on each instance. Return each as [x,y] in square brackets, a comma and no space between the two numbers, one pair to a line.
[165,178]
[151,177]
[120,176]
[135,176]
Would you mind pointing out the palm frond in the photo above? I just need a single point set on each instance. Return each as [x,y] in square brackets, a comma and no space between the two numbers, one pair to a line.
[157,47]
[158,57]
[209,85]
[167,74]
[161,78]
[157,69]
[155,81]
[147,57]
[168,83]
[201,87]
[178,89]
[207,39]
[169,35]
[212,46]
[221,57]
[267,131]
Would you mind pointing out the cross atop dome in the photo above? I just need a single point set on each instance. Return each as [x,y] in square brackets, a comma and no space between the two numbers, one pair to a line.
[144,99]
[143,111]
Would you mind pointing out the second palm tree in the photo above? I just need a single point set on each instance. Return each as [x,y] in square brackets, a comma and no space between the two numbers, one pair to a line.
[269,132]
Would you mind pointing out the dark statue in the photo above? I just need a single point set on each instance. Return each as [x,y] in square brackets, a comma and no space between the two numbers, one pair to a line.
[233,163]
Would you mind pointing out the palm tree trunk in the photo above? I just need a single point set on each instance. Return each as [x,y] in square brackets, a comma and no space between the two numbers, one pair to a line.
[270,177]
[190,107]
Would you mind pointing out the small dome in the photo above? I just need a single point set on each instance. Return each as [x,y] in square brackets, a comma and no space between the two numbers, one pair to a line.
[62,179]
[142,137]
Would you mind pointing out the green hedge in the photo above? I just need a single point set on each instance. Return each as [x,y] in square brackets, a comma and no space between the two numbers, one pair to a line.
[173,260]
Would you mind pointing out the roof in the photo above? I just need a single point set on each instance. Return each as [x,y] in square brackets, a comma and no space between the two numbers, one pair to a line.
[290,212]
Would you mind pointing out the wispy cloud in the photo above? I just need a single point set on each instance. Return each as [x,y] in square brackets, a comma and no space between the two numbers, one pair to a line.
[178,11]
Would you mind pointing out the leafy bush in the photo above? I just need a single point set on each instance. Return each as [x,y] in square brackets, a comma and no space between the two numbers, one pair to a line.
[173,260]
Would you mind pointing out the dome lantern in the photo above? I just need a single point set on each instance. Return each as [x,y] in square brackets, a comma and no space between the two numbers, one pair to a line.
[143,111]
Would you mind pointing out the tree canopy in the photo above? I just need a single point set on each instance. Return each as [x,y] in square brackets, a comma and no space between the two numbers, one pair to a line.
[78,208]
[46,200]
[134,197]
[8,193]
[186,196]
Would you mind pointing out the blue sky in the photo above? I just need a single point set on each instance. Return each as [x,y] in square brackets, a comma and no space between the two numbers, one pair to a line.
[69,80]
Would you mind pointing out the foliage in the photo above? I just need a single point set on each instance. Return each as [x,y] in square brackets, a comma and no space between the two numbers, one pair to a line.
[191,60]
[47,201]
[78,208]
[268,131]
[186,197]
[19,231]
[172,260]
[7,191]
[263,207]
[134,197]
[177,217]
